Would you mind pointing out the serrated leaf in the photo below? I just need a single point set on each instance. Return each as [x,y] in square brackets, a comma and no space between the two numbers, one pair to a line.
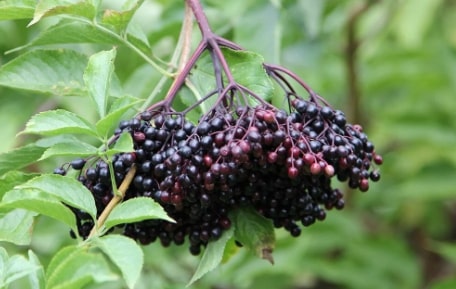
[66,189]
[125,254]
[212,256]
[39,202]
[19,158]
[13,178]
[46,8]
[111,120]
[120,19]
[17,267]
[135,210]
[16,9]
[123,144]
[59,121]
[97,78]
[36,280]
[73,32]
[73,268]
[74,149]
[254,231]
[16,226]
[57,72]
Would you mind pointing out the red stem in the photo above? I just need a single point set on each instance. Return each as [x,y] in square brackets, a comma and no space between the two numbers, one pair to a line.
[200,17]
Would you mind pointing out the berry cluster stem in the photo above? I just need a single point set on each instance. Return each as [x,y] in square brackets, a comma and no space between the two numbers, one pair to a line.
[117,198]
[210,42]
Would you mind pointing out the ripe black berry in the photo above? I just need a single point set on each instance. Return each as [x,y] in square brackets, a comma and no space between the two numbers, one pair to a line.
[78,164]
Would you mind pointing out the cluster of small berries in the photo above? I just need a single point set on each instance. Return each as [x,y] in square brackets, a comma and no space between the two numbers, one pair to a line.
[280,163]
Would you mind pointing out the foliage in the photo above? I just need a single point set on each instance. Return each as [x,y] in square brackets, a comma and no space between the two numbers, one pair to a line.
[71,70]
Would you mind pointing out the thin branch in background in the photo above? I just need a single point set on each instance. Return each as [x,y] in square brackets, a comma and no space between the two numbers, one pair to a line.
[354,110]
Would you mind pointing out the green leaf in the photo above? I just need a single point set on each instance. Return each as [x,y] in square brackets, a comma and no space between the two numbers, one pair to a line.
[212,256]
[137,37]
[58,121]
[74,149]
[46,8]
[73,32]
[123,144]
[40,202]
[13,178]
[17,267]
[255,232]
[125,254]
[135,210]
[66,189]
[36,280]
[231,249]
[19,158]
[57,72]
[16,9]
[16,226]
[73,268]
[111,120]
[123,102]
[97,78]
[246,68]
[120,19]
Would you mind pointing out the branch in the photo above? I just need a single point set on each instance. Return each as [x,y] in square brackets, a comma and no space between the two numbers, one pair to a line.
[117,198]
[354,94]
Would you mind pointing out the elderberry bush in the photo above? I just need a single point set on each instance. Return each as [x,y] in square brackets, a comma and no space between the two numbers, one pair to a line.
[279,162]
[242,152]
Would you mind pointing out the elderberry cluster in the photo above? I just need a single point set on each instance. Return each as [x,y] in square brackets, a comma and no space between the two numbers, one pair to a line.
[279,162]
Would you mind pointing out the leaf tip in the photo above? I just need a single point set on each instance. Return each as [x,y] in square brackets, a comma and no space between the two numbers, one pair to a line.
[266,253]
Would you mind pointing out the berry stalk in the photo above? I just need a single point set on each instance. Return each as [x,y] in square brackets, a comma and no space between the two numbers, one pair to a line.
[114,201]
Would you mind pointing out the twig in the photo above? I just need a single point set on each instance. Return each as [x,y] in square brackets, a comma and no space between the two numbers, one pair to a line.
[117,198]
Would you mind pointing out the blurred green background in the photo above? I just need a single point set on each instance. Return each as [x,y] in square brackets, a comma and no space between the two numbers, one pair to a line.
[390,65]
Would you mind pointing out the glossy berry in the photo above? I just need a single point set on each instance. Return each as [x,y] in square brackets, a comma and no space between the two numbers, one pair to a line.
[78,164]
